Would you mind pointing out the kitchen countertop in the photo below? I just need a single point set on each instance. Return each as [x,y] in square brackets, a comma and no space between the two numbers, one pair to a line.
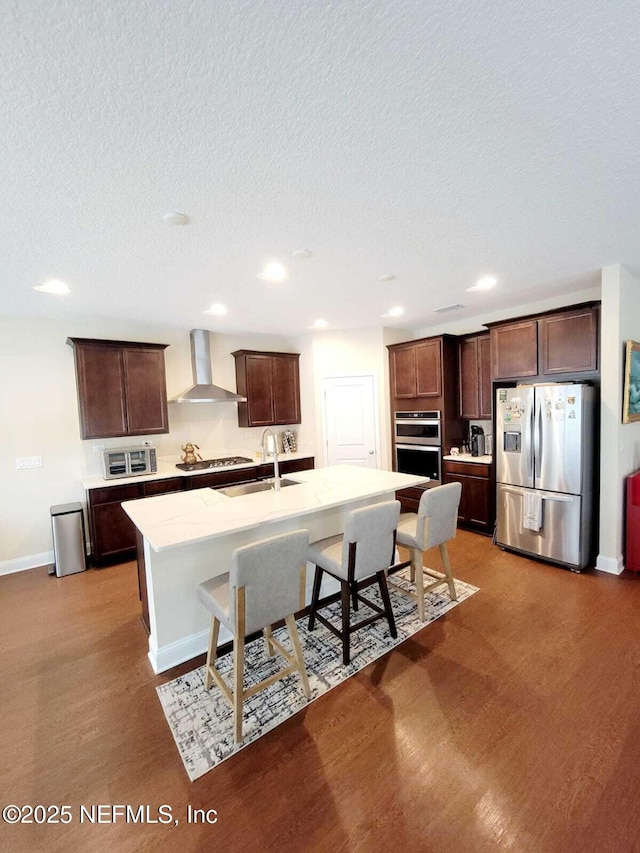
[168,469]
[183,518]
[467,457]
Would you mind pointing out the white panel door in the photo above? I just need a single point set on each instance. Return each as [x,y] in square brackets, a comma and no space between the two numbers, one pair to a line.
[350,421]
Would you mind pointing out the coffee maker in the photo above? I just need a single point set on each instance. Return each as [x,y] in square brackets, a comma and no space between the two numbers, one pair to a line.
[477,440]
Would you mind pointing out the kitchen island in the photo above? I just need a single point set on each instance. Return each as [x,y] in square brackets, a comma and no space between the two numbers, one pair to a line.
[187,537]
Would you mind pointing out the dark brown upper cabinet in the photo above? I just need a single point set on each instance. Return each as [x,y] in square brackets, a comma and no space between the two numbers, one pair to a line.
[416,369]
[568,342]
[474,360]
[121,387]
[271,383]
[556,344]
[514,350]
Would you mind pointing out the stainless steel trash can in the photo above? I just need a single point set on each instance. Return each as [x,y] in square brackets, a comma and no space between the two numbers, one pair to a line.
[69,544]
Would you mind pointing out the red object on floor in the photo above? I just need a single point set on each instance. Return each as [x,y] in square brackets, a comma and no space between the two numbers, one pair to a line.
[632,557]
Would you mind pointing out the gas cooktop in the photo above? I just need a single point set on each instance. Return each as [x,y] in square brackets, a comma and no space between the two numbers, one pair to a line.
[214,463]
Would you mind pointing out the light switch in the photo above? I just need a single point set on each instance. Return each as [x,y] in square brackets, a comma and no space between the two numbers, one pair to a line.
[29,462]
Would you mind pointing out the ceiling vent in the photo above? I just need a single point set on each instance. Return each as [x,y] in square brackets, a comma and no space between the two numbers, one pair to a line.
[455,307]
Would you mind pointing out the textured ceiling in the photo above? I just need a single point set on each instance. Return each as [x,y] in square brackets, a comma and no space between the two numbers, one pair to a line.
[435,140]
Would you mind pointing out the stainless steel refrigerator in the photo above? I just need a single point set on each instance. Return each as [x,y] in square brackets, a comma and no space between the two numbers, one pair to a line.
[544,471]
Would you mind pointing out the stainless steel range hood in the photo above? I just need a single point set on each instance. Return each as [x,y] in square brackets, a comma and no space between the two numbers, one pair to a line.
[203,390]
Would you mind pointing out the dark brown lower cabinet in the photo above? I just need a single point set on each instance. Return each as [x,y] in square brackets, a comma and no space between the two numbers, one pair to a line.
[476,502]
[113,534]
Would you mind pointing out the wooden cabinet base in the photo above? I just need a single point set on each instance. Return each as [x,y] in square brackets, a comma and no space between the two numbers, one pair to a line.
[476,510]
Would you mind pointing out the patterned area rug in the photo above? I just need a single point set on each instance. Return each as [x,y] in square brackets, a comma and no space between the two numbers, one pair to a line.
[202,723]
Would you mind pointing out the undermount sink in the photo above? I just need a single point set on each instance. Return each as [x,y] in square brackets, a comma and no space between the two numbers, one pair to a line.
[250,488]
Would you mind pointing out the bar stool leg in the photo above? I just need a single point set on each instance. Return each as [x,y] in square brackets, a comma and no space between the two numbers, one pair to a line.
[354,596]
[346,636]
[417,559]
[317,581]
[267,636]
[444,553]
[212,652]
[290,622]
[238,665]
[384,593]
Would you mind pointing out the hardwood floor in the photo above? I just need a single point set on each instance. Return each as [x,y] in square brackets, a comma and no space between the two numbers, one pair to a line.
[509,724]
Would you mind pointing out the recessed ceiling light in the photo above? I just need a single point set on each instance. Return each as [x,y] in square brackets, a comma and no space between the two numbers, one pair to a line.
[175,218]
[273,271]
[320,324]
[484,283]
[301,254]
[53,286]
[396,311]
[216,309]
[388,276]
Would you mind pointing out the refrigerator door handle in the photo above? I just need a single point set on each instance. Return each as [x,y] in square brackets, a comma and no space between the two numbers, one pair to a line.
[563,499]
[537,439]
[514,490]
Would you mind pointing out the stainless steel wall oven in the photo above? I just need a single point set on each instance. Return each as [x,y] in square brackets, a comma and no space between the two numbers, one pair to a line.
[418,444]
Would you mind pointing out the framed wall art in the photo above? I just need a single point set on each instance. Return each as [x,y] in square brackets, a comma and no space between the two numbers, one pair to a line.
[631,397]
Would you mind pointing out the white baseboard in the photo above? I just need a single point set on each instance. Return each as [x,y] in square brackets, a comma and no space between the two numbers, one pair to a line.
[611,565]
[164,657]
[21,564]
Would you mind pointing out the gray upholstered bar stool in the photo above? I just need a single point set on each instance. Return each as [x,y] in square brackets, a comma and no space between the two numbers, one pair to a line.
[263,586]
[435,524]
[358,558]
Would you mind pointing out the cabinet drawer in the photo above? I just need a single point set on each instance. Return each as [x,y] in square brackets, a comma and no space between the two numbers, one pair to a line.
[470,469]
[290,466]
[161,487]
[112,494]
[221,478]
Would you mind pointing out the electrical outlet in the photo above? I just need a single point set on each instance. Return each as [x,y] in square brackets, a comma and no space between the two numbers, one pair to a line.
[29,462]
[98,448]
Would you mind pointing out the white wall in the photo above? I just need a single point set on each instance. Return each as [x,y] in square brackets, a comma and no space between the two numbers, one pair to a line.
[620,443]
[469,325]
[39,411]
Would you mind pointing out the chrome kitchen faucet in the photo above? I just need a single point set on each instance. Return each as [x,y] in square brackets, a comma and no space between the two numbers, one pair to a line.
[276,467]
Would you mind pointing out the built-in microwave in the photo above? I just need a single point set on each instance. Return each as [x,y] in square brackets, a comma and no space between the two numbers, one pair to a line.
[418,428]
[421,460]
[129,462]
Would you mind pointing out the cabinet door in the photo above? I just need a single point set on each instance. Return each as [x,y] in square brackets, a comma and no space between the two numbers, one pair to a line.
[146,392]
[113,531]
[484,376]
[259,392]
[101,394]
[463,508]
[469,372]
[403,372]
[569,342]
[286,389]
[429,369]
[514,350]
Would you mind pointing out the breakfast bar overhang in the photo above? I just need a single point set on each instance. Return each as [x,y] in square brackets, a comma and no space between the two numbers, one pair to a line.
[188,537]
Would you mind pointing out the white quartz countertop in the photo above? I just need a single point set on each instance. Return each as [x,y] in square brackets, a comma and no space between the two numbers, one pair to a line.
[181,518]
[467,457]
[168,469]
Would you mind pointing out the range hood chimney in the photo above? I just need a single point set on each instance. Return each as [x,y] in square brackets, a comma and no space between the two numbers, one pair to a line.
[203,390]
